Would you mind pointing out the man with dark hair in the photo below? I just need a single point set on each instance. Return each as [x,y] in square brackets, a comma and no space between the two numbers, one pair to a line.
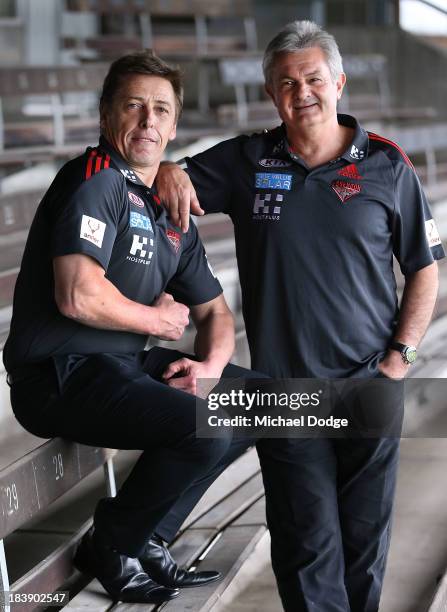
[320,206]
[103,268]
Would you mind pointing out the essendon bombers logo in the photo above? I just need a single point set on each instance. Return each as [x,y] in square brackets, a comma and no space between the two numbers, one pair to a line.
[174,239]
[345,190]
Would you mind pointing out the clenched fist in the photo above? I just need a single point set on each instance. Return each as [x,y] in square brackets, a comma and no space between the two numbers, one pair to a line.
[171,317]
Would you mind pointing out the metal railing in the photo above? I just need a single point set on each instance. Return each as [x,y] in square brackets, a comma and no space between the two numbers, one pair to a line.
[361,12]
[433,6]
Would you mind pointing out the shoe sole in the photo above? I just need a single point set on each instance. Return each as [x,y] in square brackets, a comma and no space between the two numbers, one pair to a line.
[194,586]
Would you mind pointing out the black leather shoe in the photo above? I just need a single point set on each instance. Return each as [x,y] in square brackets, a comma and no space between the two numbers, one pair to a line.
[156,561]
[122,577]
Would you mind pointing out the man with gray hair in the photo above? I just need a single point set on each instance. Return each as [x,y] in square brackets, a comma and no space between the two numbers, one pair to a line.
[320,206]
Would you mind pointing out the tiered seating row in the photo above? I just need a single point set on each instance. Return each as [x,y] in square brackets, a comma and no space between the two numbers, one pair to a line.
[29,485]
[174,28]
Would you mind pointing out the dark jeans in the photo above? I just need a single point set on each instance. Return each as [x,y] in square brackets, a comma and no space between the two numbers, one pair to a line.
[329,504]
[118,402]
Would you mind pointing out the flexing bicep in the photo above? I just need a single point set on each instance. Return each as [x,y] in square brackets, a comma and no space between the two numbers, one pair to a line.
[216,307]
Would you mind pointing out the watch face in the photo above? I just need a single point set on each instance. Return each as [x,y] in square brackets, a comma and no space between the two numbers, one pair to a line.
[410,354]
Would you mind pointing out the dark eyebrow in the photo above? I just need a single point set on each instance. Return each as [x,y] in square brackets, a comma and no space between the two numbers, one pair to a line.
[141,99]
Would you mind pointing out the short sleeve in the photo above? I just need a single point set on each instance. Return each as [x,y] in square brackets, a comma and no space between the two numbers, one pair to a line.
[86,221]
[212,172]
[416,241]
[194,281]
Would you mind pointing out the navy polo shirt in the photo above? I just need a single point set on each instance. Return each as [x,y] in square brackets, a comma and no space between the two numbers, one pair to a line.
[97,206]
[315,246]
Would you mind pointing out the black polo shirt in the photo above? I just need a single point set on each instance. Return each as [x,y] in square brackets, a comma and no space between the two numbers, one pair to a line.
[315,246]
[97,206]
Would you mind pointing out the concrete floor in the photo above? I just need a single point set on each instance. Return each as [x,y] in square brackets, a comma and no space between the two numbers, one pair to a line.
[418,553]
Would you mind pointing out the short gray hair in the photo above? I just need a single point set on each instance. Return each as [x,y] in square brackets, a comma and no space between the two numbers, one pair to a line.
[299,35]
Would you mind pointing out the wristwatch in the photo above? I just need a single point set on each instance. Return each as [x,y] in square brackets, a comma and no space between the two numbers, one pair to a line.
[408,353]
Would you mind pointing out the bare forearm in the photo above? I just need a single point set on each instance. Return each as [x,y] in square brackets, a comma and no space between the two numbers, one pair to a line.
[418,302]
[103,306]
[214,341]
[84,294]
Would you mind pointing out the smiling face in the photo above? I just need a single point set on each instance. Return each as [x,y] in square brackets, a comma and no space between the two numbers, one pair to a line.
[140,121]
[303,90]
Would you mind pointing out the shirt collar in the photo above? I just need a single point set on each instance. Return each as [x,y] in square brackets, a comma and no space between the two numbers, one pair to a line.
[119,164]
[357,150]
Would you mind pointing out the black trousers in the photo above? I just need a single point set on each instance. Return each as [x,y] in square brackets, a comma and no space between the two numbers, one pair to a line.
[329,507]
[117,401]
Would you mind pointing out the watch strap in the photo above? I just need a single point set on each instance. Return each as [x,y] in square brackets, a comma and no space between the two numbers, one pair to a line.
[398,346]
[407,352]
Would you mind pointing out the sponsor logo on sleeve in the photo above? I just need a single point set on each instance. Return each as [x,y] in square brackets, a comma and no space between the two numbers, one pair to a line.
[174,238]
[92,230]
[141,250]
[267,180]
[129,174]
[431,231]
[274,163]
[345,190]
[135,199]
[356,153]
[140,221]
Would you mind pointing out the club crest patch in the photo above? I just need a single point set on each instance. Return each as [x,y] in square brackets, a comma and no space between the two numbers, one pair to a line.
[174,238]
[345,190]
[350,171]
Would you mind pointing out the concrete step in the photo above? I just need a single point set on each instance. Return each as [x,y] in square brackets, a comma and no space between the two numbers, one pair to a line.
[439,603]
[418,552]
